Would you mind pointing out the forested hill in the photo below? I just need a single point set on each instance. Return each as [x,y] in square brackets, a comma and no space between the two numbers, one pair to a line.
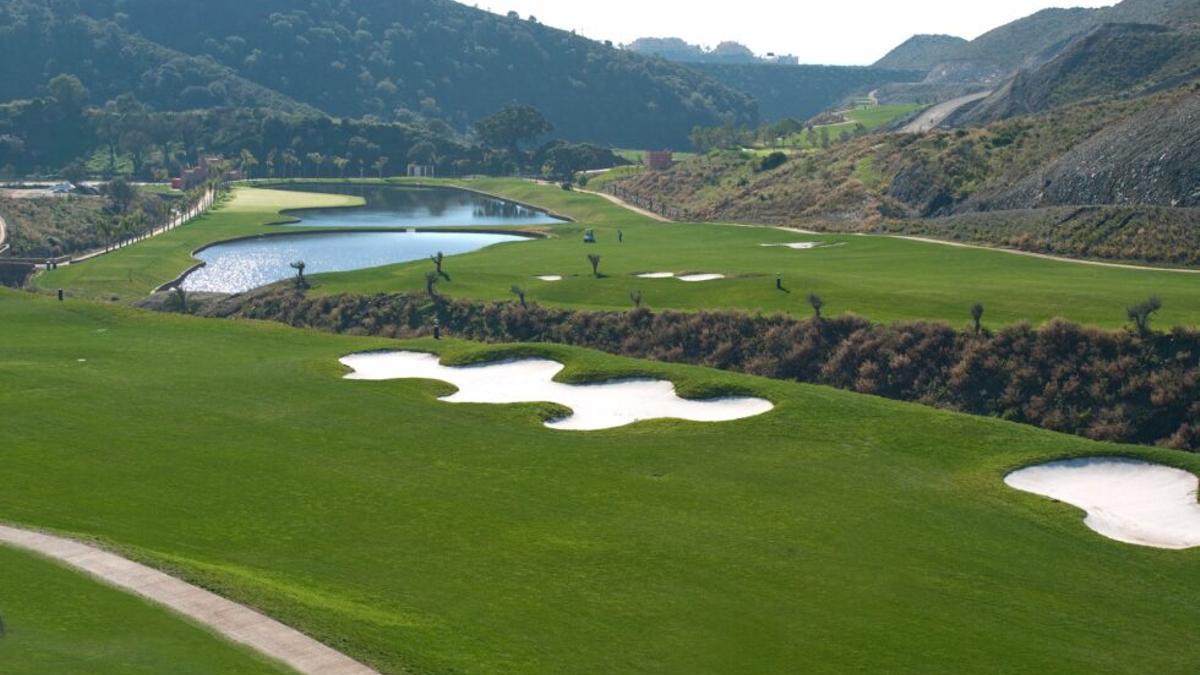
[396,58]
[38,42]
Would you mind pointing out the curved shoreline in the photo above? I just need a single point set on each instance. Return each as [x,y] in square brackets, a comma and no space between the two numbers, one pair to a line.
[233,621]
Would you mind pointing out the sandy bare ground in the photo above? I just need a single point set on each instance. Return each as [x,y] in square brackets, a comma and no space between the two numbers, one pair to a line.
[621,202]
[231,620]
[934,116]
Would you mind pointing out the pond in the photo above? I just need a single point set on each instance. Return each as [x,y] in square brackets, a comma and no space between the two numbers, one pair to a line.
[400,207]
[239,266]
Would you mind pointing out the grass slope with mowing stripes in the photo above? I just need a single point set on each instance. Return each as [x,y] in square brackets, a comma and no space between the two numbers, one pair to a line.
[881,278]
[58,621]
[837,533]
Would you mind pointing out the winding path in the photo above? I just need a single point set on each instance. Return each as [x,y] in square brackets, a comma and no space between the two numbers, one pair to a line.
[934,116]
[1031,254]
[621,202]
[231,620]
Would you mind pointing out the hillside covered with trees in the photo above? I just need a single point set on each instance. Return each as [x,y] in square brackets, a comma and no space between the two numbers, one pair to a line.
[398,60]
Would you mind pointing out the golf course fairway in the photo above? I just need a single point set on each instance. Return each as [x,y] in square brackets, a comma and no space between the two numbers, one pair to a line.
[835,533]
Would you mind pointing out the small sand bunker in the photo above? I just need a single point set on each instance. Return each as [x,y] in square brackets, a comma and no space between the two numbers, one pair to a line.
[551,277]
[798,246]
[1126,500]
[691,278]
[595,406]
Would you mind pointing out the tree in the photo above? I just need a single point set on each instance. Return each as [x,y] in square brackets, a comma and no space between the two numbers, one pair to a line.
[594,259]
[817,303]
[317,160]
[520,293]
[379,165]
[75,173]
[300,280]
[431,280]
[977,317]
[121,194]
[422,153]
[68,92]
[1142,313]
[437,261]
[510,126]
[341,163]
[248,161]
[636,297]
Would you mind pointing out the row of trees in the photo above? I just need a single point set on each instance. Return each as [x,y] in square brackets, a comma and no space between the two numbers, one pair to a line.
[784,133]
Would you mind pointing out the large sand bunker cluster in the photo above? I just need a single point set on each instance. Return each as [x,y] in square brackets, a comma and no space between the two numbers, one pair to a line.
[594,406]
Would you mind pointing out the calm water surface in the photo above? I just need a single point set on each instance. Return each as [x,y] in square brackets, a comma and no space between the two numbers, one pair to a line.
[240,266]
[394,207]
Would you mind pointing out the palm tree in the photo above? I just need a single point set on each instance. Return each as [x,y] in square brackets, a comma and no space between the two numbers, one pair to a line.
[594,259]
[316,159]
[341,163]
[379,165]
[248,162]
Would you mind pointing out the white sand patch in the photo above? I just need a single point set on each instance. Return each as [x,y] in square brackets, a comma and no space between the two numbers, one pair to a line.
[1126,500]
[657,275]
[695,278]
[798,246]
[551,277]
[595,406]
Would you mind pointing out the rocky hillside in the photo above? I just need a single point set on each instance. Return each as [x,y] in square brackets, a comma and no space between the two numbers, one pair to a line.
[1128,59]
[923,52]
[1142,151]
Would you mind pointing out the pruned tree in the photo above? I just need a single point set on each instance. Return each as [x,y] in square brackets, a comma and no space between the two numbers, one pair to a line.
[1142,314]
[520,293]
[977,317]
[431,281]
[178,300]
[817,303]
[438,260]
[299,266]
[636,297]
[594,259]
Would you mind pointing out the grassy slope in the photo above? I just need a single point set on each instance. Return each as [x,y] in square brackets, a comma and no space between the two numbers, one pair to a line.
[132,273]
[881,278]
[57,621]
[838,533]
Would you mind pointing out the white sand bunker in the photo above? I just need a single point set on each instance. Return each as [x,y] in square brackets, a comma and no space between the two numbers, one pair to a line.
[1126,500]
[798,246]
[692,278]
[595,406]
[551,277]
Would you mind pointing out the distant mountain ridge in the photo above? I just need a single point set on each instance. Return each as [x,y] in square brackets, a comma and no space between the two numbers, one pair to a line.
[729,52]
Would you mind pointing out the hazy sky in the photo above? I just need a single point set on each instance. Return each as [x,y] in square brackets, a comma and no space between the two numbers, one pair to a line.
[840,32]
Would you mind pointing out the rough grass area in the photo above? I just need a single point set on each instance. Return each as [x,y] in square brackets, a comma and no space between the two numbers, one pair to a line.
[837,533]
[58,621]
[53,226]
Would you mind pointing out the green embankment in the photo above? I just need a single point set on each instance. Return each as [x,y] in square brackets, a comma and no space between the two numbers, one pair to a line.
[837,533]
[882,278]
[57,621]
[131,273]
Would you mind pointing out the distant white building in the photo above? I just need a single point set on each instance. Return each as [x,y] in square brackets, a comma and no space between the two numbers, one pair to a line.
[422,171]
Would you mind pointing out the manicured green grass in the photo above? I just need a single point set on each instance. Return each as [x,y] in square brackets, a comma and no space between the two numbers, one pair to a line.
[131,273]
[838,533]
[871,117]
[882,278]
[58,621]
[638,156]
